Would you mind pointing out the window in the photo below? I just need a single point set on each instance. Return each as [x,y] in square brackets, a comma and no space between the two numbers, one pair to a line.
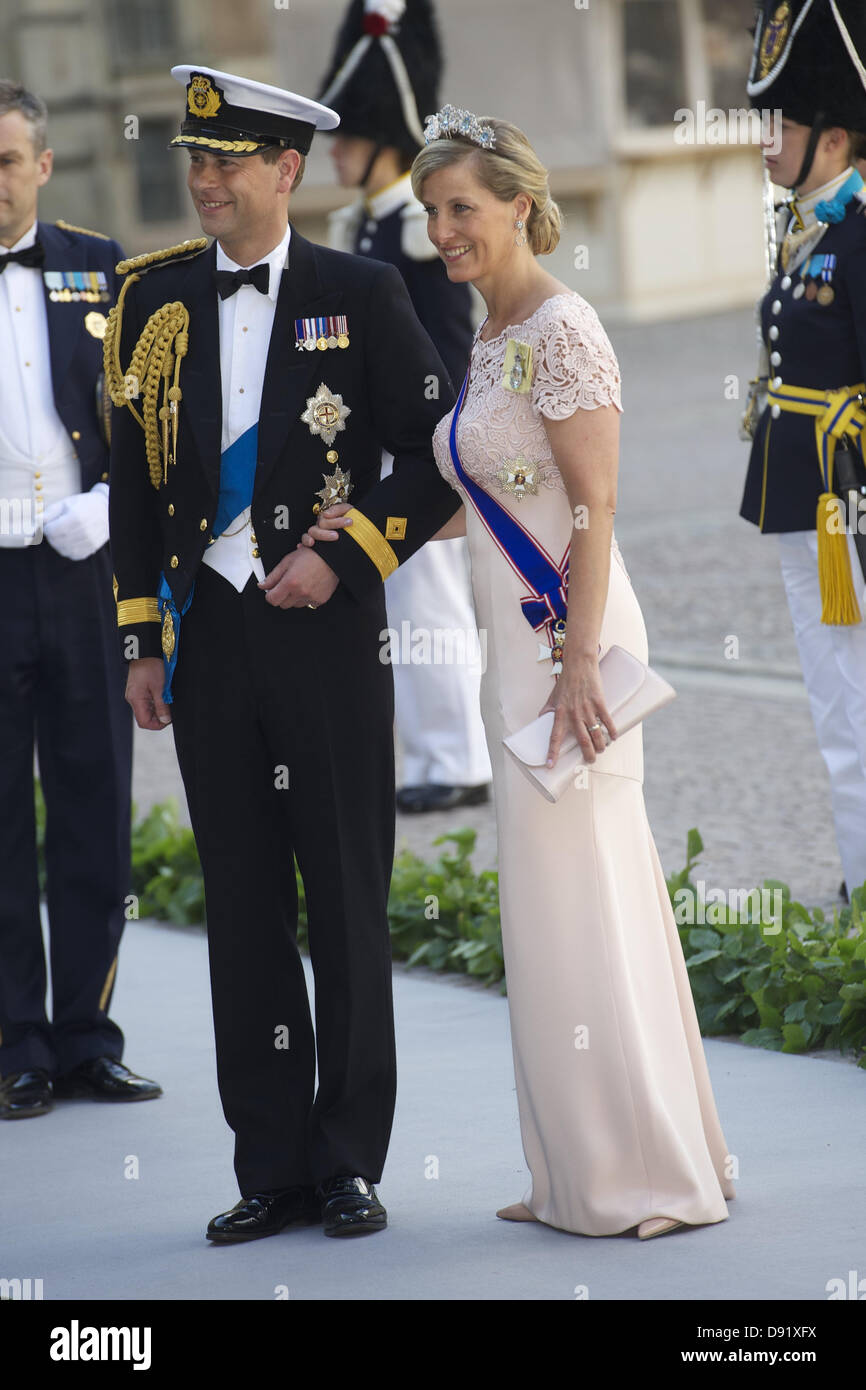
[159,197]
[141,31]
[728,50]
[655,79]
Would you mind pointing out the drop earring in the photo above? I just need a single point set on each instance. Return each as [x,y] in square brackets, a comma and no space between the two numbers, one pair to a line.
[520,239]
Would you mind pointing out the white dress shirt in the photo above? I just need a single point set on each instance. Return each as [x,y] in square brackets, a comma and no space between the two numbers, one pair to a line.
[38,463]
[245,322]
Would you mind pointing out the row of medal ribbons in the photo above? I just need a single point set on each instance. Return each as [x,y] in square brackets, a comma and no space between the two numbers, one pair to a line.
[816,274]
[328,331]
[72,286]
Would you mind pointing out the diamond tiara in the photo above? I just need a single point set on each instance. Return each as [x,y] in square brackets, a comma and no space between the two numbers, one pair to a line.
[453,120]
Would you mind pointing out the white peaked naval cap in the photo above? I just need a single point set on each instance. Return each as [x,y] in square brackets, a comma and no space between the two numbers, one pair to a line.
[234,115]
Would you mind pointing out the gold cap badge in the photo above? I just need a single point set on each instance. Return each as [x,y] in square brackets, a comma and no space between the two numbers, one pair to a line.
[774,37]
[202,97]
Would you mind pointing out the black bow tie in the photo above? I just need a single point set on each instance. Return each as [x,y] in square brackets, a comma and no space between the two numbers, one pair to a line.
[228,282]
[31,255]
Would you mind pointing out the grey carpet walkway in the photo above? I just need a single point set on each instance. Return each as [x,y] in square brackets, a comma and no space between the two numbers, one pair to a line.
[70,1216]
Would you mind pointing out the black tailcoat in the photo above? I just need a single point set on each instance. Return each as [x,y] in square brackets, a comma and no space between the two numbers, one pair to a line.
[390,377]
[283,718]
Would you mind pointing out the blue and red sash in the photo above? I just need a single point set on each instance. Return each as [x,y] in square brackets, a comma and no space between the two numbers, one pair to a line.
[548,582]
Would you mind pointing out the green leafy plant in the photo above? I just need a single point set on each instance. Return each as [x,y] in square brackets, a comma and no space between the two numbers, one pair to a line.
[446,916]
[791,984]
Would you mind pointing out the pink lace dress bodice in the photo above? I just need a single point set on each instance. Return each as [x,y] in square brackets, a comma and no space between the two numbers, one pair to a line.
[573,368]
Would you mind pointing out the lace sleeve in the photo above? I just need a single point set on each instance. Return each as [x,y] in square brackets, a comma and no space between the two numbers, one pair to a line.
[575,366]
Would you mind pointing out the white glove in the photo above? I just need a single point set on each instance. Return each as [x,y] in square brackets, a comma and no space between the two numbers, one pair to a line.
[78,526]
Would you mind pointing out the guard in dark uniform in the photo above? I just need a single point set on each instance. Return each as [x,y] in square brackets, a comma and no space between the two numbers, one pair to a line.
[257,380]
[382,82]
[806,478]
[61,681]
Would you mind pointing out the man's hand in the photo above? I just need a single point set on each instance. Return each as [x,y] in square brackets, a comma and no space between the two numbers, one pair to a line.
[300,578]
[144,693]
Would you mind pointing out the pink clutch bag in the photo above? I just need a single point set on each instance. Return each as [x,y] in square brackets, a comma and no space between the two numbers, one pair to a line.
[631,691]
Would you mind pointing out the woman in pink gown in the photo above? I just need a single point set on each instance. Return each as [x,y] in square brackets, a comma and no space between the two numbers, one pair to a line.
[617,1116]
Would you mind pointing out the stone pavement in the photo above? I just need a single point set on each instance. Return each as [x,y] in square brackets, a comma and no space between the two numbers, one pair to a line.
[736,754]
[70,1215]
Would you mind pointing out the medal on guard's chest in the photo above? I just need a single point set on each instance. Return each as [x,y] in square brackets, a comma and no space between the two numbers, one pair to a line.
[337,487]
[555,650]
[517,367]
[518,477]
[325,414]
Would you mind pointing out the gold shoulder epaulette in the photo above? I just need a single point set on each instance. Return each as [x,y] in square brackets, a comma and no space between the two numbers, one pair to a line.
[70,227]
[151,258]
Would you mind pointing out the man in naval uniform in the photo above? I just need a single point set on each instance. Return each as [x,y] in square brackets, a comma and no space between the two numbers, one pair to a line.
[257,380]
[806,468]
[382,92]
[61,681]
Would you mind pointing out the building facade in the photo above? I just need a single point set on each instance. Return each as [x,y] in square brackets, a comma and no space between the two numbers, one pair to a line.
[660,218]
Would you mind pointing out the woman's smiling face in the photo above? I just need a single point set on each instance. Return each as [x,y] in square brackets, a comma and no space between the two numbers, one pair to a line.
[472,230]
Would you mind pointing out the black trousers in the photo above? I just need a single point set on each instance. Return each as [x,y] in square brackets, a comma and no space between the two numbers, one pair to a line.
[62,680]
[283,724]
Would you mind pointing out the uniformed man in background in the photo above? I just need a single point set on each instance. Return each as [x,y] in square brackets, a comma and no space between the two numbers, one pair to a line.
[383,82]
[257,380]
[61,679]
[806,477]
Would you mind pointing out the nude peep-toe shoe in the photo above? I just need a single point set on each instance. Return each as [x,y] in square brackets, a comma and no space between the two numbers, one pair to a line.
[517,1212]
[657,1226]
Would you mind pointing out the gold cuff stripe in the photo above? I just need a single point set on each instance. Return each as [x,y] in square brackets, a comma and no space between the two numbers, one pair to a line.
[137,610]
[232,146]
[371,540]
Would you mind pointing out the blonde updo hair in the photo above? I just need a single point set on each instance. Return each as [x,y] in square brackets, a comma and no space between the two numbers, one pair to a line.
[510,169]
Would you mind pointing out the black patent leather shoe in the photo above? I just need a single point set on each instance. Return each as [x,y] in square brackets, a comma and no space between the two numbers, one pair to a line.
[104,1078]
[435,797]
[350,1207]
[266,1214]
[26,1094]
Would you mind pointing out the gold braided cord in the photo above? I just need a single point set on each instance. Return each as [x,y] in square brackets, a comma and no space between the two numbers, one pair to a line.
[231,146]
[149,258]
[111,351]
[156,358]
[70,227]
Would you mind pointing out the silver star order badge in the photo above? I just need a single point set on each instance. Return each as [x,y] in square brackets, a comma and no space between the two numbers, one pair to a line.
[554,651]
[518,477]
[325,414]
[337,487]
